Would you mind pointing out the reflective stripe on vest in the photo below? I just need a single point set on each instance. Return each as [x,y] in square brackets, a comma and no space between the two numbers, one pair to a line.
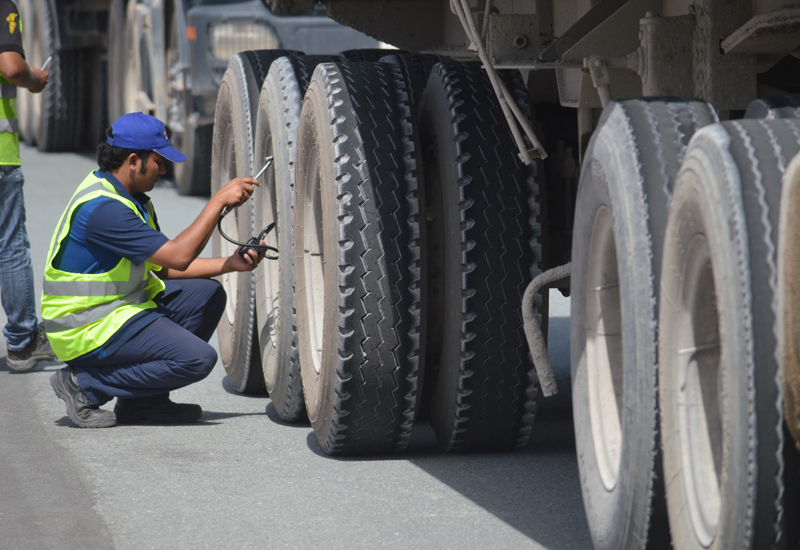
[93,314]
[80,312]
[9,126]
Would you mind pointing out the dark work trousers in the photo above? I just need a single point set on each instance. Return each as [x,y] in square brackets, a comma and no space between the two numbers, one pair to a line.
[170,353]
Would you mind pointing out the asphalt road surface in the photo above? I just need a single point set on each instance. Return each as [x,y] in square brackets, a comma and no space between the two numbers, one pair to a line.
[241,478]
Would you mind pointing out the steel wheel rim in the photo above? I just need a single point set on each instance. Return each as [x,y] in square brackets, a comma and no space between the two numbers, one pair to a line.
[698,388]
[230,225]
[314,258]
[604,349]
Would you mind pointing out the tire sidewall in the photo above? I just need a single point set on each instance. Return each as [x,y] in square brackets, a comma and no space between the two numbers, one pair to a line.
[274,204]
[235,340]
[313,139]
[615,515]
[701,208]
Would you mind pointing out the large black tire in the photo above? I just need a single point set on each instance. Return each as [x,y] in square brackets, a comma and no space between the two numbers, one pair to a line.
[620,216]
[60,123]
[484,250]
[415,68]
[358,258]
[117,59]
[233,157]
[721,406]
[782,106]
[26,102]
[276,135]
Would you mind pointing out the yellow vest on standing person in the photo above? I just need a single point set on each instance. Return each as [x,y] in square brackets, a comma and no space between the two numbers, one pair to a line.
[82,311]
[9,126]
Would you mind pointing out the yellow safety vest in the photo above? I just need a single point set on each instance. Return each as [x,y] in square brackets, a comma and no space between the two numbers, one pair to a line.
[82,311]
[9,127]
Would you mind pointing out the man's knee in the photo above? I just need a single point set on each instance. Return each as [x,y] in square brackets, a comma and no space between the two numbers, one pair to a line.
[199,365]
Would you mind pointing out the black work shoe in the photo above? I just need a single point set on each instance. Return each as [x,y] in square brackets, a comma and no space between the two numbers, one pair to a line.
[157,409]
[80,410]
[37,350]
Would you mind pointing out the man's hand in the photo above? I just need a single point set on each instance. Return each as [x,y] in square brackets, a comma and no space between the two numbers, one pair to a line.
[41,79]
[236,192]
[248,263]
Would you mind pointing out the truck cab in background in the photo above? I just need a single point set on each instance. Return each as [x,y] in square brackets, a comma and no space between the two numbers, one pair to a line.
[163,58]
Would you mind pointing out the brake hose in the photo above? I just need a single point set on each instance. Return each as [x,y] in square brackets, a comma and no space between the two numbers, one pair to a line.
[254,243]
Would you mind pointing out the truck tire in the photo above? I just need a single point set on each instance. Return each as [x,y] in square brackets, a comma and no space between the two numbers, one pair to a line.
[620,215]
[26,101]
[276,135]
[416,68]
[782,106]
[117,58]
[233,157]
[484,250]
[721,406]
[59,126]
[357,205]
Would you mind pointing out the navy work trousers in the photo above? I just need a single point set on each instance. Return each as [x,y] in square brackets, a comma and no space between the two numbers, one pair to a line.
[170,353]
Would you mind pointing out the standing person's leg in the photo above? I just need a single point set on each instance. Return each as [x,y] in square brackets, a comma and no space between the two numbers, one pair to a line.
[26,344]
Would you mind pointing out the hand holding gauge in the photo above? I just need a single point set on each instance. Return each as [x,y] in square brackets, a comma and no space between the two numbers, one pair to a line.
[254,243]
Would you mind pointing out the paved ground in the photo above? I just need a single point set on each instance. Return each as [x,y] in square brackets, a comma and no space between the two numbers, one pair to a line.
[242,478]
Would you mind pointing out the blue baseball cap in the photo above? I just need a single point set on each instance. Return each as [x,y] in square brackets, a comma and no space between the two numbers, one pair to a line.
[145,133]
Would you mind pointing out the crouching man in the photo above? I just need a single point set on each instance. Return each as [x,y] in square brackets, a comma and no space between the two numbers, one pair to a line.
[122,331]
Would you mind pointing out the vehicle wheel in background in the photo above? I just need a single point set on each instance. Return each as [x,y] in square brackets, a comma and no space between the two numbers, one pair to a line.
[137,90]
[483,251]
[117,59]
[26,102]
[623,199]
[58,126]
[358,251]
[367,54]
[721,412]
[276,135]
[782,106]
[233,157]
[95,101]
[193,176]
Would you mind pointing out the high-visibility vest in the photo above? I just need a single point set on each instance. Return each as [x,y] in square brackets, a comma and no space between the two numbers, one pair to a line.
[9,127]
[82,311]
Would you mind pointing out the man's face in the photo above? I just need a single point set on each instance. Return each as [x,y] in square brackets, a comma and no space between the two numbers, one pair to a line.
[149,172]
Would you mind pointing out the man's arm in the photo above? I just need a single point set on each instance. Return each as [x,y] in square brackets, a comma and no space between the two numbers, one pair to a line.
[181,253]
[17,71]
[204,268]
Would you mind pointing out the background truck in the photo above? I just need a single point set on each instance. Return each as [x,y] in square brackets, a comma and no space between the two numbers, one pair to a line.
[637,154]
[165,58]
